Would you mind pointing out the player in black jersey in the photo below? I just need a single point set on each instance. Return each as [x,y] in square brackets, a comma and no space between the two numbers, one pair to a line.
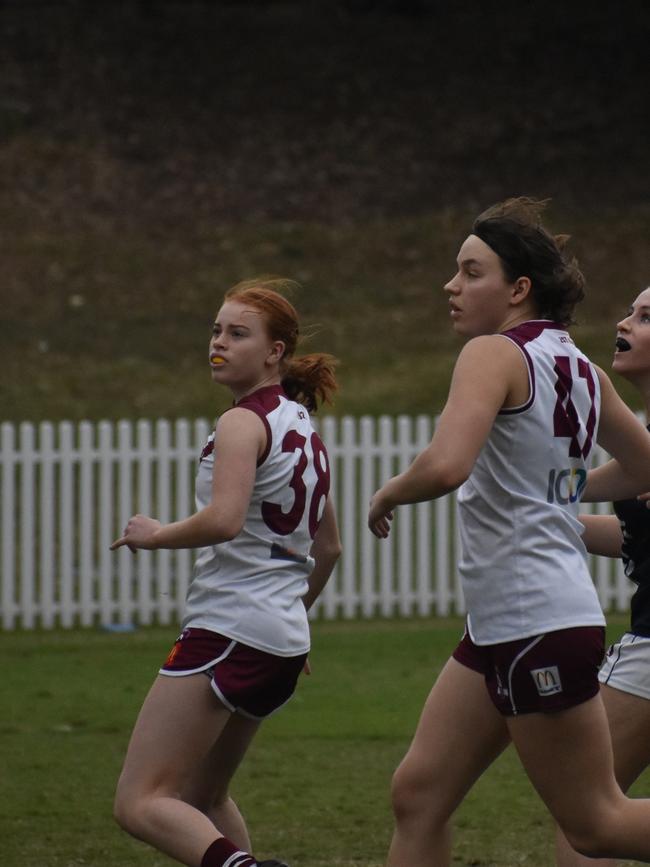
[625,674]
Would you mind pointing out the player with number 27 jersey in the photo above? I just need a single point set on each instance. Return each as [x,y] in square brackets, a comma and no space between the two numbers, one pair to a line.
[523,564]
[249,589]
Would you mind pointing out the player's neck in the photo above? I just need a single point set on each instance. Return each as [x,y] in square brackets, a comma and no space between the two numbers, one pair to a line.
[272,379]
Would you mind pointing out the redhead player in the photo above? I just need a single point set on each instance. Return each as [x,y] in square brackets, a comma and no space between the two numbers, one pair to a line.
[268,538]
[525,407]
[625,674]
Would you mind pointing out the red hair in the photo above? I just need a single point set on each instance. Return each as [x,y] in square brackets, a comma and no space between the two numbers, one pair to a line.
[308,379]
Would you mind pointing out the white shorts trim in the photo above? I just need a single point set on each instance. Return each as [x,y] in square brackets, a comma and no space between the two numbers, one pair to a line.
[511,670]
[204,667]
[627,665]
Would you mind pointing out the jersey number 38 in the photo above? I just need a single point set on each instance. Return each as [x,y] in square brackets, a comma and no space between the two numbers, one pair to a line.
[285,523]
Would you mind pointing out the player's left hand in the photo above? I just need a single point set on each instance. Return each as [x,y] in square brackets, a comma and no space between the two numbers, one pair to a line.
[138,533]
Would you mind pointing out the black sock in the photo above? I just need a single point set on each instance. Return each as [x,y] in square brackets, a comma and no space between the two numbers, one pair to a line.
[223,853]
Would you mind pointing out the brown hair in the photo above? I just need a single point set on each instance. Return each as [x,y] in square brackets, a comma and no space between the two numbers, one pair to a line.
[513,229]
[308,379]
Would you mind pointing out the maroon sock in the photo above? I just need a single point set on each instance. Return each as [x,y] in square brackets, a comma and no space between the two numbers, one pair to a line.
[223,853]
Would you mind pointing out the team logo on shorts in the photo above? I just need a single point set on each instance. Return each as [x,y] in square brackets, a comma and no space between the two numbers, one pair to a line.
[173,653]
[501,690]
[547,680]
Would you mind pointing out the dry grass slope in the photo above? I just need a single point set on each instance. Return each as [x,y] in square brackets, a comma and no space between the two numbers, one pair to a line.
[154,153]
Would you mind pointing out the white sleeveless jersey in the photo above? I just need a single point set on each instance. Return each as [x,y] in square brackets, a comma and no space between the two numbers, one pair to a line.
[250,588]
[523,565]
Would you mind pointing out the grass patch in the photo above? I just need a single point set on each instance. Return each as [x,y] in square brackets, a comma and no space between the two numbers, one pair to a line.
[314,787]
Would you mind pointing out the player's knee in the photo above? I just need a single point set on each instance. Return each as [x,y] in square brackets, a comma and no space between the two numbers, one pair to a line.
[127,814]
[598,840]
[121,814]
[402,792]
[589,846]
[412,794]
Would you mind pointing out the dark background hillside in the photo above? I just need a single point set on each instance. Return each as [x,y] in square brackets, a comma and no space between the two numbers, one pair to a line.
[153,153]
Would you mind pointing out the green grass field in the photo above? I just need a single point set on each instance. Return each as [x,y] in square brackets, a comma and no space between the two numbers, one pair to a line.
[314,787]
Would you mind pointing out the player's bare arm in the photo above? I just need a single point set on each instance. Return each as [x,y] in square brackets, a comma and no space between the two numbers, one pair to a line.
[602,535]
[240,439]
[326,550]
[626,439]
[490,373]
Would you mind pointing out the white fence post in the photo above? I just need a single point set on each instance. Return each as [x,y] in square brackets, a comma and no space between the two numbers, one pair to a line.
[368,543]
[424,532]
[67,492]
[46,528]
[331,596]
[65,506]
[144,505]
[106,530]
[27,525]
[125,510]
[404,525]
[183,507]
[348,511]
[8,525]
[163,557]
[86,523]
[386,546]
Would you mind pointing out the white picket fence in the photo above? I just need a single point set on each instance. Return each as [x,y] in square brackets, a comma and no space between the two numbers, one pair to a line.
[68,489]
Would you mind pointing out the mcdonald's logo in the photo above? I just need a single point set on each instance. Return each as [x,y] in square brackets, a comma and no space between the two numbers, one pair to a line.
[547,680]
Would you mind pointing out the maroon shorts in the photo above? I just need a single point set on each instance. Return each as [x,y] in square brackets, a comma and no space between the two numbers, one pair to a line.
[540,674]
[246,680]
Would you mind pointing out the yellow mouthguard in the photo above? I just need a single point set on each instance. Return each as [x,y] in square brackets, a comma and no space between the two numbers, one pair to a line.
[217,359]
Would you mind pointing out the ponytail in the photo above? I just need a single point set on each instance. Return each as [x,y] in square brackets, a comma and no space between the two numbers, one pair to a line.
[310,380]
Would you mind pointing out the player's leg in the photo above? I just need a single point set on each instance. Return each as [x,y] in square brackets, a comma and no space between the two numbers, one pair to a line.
[629,718]
[178,725]
[207,790]
[629,723]
[459,735]
[568,757]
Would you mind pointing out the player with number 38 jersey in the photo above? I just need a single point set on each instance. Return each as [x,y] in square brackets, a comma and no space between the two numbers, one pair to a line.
[267,541]
[251,588]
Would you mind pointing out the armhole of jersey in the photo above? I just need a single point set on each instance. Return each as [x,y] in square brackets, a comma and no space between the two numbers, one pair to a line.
[513,410]
[269,438]
[259,412]
[267,427]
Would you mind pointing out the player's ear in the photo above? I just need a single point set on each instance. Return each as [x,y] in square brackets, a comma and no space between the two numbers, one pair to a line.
[277,350]
[521,289]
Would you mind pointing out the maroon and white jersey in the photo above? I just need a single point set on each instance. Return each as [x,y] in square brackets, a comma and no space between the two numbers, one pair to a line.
[250,589]
[523,564]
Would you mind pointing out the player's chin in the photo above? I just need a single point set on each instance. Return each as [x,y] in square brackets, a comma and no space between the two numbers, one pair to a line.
[624,366]
[463,329]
